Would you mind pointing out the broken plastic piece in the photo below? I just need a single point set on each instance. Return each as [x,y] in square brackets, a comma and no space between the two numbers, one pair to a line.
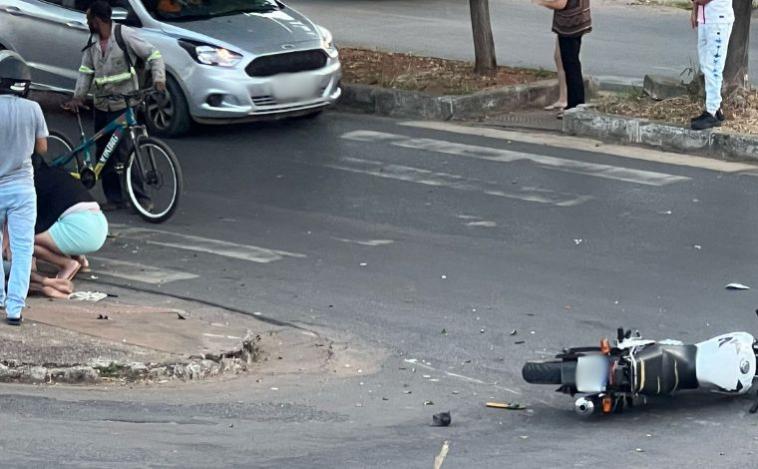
[442,419]
[737,286]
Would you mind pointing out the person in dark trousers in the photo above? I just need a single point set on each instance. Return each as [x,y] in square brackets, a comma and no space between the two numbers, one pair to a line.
[571,20]
[106,71]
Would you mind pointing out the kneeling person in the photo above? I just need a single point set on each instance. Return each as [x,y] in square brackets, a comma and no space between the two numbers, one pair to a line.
[70,223]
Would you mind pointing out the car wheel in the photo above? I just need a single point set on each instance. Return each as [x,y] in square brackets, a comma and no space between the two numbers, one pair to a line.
[168,115]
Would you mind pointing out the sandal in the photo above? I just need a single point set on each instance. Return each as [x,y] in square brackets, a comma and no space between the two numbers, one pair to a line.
[556,106]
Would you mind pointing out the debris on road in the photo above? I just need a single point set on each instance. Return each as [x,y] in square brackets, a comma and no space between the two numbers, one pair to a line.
[442,419]
[506,405]
[444,332]
[519,342]
[93,296]
[737,286]
[698,247]
[428,403]
[180,316]
[102,317]
[578,241]
[514,332]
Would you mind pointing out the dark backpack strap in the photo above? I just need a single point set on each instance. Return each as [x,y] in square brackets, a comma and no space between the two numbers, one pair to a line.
[122,46]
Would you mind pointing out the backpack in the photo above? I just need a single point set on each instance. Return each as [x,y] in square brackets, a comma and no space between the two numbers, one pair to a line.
[138,64]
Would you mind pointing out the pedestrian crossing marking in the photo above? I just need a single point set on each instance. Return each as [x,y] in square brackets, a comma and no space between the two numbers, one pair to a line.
[650,178]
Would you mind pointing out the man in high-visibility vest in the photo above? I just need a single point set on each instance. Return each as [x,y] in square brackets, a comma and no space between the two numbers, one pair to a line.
[106,70]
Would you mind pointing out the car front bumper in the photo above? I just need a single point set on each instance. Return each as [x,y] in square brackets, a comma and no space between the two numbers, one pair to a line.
[217,95]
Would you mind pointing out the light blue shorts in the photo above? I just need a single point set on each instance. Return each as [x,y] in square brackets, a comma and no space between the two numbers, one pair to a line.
[80,233]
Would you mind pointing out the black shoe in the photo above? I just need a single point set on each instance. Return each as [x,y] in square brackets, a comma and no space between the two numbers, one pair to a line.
[14,321]
[706,121]
[719,116]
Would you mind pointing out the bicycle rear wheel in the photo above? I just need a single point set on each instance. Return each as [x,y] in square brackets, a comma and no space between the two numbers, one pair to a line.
[59,145]
[153,180]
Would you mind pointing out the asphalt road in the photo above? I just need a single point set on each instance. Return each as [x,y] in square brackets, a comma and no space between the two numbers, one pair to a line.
[427,247]
[626,41]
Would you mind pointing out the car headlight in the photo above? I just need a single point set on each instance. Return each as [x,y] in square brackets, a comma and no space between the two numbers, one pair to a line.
[327,41]
[210,55]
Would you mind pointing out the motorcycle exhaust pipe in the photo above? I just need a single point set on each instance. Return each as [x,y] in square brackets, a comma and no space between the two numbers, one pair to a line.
[584,407]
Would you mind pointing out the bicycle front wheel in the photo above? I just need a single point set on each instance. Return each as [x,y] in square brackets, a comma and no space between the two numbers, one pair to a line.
[153,180]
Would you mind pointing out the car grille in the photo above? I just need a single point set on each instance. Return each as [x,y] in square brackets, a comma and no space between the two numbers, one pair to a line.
[264,100]
[290,62]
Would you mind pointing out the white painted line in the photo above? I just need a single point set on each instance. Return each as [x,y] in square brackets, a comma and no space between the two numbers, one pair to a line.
[650,178]
[454,181]
[369,242]
[138,272]
[588,145]
[205,245]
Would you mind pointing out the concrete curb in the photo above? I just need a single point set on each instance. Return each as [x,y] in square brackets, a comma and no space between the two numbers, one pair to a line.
[584,122]
[193,368]
[414,104]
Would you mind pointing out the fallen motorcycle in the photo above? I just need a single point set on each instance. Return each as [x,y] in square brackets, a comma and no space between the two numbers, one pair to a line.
[611,378]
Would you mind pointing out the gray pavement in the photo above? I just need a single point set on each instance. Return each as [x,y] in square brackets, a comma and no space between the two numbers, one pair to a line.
[627,41]
[384,235]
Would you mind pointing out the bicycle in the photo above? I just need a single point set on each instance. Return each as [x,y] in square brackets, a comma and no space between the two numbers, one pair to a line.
[151,165]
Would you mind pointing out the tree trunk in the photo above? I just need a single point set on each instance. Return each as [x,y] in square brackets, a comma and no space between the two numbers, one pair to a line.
[484,43]
[736,69]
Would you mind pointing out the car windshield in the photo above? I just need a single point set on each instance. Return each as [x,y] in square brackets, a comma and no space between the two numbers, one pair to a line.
[189,10]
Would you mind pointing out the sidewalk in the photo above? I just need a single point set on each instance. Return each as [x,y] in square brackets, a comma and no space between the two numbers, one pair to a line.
[134,336]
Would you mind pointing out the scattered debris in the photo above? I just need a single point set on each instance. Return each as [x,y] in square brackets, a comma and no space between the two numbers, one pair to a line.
[578,241]
[455,393]
[519,342]
[481,331]
[103,316]
[506,405]
[514,332]
[440,459]
[639,450]
[737,286]
[179,316]
[428,403]
[363,264]
[524,437]
[407,391]
[93,296]
[444,277]
[385,398]
[444,332]
[698,247]
[667,212]
[442,419]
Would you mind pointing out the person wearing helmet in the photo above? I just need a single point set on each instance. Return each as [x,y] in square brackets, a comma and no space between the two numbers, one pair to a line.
[22,132]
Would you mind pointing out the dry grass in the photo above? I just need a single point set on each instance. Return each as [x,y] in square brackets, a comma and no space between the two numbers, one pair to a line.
[427,74]
[741,110]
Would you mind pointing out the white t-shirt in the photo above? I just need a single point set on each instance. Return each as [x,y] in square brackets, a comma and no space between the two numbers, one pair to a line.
[717,11]
[21,124]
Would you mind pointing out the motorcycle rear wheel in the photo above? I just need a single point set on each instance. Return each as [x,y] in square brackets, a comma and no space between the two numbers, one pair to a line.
[542,372]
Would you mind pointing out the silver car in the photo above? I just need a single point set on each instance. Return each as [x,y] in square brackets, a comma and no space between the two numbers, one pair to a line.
[226,60]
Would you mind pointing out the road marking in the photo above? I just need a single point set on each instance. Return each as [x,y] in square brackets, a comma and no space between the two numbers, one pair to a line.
[588,145]
[199,244]
[138,272]
[482,223]
[370,242]
[421,364]
[649,178]
[454,181]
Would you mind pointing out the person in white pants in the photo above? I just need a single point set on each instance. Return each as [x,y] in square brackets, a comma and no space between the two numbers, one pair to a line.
[713,20]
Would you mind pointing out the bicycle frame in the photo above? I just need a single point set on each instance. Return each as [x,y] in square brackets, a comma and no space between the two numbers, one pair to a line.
[125,122]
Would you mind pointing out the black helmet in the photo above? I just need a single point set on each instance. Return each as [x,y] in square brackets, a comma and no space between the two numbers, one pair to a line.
[15,77]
